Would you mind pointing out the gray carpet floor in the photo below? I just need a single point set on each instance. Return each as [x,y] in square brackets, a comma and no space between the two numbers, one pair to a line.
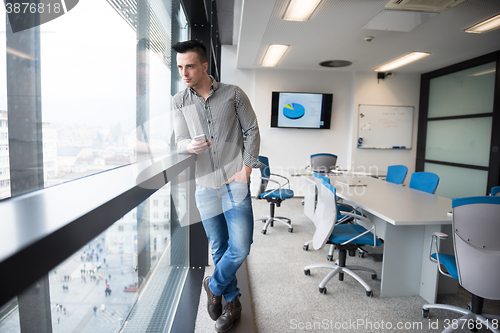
[285,300]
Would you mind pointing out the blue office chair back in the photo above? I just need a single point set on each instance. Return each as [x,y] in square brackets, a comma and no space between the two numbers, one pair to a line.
[396,174]
[320,206]
[319,178]
[325,220]
[424,181]
[476,230]
[323,162]
[495,191]
[265,173]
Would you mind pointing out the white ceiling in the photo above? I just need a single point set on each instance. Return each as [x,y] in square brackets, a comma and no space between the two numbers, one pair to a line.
[334,32]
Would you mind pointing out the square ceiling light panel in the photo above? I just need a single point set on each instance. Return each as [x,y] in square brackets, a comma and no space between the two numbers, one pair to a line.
[398,20]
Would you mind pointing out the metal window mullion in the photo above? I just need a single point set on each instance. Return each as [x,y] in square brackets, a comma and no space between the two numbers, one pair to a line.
[26,153]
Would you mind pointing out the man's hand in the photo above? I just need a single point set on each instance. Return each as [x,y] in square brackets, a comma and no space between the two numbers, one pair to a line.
[242,176]
[198,147]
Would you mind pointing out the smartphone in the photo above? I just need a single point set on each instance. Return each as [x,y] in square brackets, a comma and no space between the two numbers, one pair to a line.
[200,137]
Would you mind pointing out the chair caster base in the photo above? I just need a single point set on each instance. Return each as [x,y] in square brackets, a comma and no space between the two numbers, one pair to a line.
[322,290]
[290,230]
[263,232]
[305,247]
[374,276]
[307,272]
[369,293]
[329,258]
[425,313]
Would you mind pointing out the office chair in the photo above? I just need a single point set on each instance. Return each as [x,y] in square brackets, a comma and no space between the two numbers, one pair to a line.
[346,237]
[495,191]
[320,206]
[323,162]
[476,260]
[424,181]
[396,174]
[341,206]
[274,196]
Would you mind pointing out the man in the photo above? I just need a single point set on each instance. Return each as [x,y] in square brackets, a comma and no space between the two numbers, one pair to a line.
[223,114]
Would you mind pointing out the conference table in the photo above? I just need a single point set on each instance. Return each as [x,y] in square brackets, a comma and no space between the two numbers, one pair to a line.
[405,219]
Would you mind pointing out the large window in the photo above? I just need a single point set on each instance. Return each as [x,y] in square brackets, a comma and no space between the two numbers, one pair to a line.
[85,129]
[99,78]
[87,93]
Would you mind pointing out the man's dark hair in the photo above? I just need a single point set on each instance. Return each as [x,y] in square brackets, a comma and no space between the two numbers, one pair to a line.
[192,45]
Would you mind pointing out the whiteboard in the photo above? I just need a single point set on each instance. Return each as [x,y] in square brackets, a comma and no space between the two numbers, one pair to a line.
[385,126]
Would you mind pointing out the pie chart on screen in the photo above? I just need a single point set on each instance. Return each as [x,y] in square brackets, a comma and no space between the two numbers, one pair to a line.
[294,111]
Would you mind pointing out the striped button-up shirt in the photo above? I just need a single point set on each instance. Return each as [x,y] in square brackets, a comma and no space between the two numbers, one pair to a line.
[224,118]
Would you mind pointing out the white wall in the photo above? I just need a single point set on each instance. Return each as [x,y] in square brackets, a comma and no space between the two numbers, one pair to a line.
[289,149]
[244,78]
[398,89]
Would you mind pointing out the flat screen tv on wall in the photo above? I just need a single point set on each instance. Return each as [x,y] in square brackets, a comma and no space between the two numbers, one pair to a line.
[301,110]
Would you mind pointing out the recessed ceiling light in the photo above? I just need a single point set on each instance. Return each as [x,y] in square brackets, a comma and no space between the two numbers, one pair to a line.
[485,26]
[300,10]
[404,60]
[335,63]
[274,54]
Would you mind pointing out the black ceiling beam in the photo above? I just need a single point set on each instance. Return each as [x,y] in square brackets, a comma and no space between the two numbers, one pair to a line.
[197,12]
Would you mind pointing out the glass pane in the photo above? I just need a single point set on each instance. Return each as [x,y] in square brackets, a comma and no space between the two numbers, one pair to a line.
[162,257]
[469,91]
[161,122]
[182,25]
[4,156]
[88,74]
[457,182]
[4,134]
[9,318]
[96,288]
[464,141]
[120,278]
[132,270]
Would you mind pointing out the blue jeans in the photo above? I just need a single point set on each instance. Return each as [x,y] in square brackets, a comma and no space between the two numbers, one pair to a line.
[227,217]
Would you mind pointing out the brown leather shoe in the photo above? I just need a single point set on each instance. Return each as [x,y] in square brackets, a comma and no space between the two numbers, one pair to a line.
[214,303]
[232,311]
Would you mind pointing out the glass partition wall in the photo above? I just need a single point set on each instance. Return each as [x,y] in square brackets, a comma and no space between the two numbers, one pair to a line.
[459,110]
[86,93]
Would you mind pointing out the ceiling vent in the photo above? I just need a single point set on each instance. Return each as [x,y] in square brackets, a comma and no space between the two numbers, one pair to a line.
[335,63]
[423,5]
